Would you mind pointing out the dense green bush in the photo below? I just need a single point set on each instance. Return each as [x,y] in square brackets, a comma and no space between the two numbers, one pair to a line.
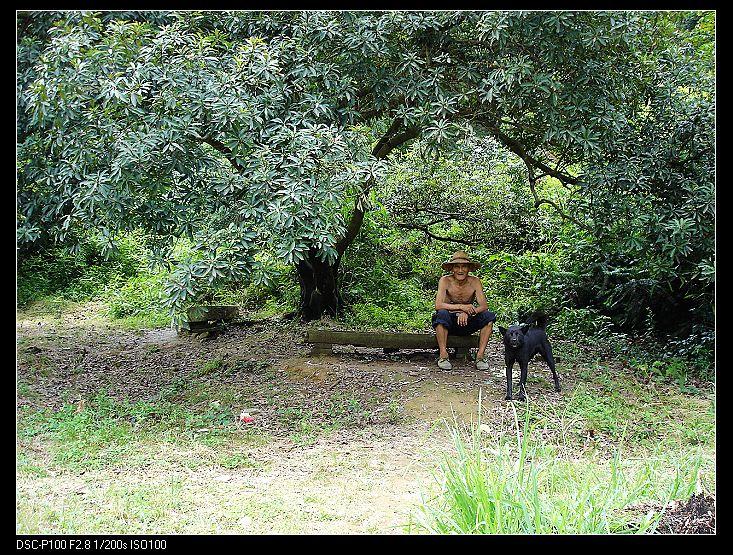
[390,278]
[275,292]
[379,283]
[581,322]
[77,276]
[518,284]
[140,296]
[120,278]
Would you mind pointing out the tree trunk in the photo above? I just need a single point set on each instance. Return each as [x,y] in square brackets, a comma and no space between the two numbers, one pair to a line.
[319,294]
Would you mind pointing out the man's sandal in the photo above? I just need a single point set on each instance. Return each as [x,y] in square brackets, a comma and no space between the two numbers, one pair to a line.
[444,364]
[482,363]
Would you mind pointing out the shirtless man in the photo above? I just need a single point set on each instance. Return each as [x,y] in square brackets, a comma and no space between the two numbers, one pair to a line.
[461,309]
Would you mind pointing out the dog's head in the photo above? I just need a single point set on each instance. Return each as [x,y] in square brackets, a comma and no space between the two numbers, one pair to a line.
[514,335]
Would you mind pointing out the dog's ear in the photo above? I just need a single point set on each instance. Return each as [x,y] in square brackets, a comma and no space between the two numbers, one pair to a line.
[525,328]
[502,330]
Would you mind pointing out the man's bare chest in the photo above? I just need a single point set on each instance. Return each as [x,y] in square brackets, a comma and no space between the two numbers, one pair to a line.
[461,294]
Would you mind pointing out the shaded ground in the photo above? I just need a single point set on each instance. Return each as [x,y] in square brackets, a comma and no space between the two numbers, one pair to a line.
[694,516]
[267,364]
[340,444]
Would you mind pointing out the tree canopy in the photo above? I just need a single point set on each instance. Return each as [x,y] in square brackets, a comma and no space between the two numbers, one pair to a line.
[264,132]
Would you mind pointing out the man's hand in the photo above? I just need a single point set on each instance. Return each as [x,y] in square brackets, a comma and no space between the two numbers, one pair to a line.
[462,318]
[469,309]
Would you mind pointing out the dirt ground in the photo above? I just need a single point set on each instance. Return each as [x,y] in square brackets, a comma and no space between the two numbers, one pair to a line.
[365,474]
[694,516]
[361,478]
[364,477]
[71,359]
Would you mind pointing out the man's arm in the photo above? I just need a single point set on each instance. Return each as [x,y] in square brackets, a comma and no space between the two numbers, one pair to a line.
[480,298]
[441,299]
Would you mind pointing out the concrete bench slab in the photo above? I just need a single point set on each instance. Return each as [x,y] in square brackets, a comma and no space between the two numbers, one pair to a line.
[324,340]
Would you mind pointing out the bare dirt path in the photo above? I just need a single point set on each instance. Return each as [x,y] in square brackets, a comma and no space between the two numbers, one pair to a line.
[350,440]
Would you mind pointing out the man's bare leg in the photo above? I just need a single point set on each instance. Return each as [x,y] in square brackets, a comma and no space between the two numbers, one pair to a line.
[483,339]
[441,334]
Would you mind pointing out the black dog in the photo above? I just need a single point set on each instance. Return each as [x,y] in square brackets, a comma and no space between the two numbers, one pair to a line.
[523,342]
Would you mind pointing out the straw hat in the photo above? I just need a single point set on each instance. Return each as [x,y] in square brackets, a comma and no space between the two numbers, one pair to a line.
[460,257]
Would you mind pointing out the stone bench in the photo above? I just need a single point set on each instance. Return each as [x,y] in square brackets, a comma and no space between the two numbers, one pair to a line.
[324,340]
[210,318]
[214,319]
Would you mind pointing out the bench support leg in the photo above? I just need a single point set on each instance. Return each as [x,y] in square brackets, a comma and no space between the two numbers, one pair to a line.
[322,349]
[463,353]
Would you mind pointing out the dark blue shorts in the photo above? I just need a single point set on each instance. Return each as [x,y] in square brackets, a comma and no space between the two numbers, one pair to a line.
[450,321]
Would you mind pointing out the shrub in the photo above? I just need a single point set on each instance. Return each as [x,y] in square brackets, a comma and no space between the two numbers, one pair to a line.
[518,284]
[366,315]
[140,296]
[78,276]
[581,323]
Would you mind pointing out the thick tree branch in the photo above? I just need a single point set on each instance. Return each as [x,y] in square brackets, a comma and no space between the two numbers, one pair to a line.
[432,235]
[366,115]
[388,135]
[221,147]
[520,151]
[517,148]
[539,202]
[391,139]
[352,229]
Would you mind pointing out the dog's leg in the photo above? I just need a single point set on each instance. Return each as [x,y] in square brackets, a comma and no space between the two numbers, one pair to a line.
[547,355]
[509,365]
[523,366]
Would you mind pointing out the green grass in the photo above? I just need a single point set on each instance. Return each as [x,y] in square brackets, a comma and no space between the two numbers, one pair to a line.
[237,460]
[144,321]
[210,366]
[607,403]
[166,504]
[26,464]
[118,508]
[519,485]
[25,390]
[105,432]
[395,412]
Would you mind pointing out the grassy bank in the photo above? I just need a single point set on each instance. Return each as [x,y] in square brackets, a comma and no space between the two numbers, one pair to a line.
[520,484]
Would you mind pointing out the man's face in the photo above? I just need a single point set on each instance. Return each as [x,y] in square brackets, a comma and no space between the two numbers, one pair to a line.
[460,271]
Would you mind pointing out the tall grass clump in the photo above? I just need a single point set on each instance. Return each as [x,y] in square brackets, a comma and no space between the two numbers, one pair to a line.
[515,485]
[140,300]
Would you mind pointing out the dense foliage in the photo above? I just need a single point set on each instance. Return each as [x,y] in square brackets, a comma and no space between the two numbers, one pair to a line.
[576,146]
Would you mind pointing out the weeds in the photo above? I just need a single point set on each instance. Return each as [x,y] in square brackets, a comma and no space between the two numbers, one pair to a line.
[210,366]
[519,486]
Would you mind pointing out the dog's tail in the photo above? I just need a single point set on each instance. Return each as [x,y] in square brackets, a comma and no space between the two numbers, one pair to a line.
[539,319]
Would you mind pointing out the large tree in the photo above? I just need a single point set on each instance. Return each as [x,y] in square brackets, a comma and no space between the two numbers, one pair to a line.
[254,132]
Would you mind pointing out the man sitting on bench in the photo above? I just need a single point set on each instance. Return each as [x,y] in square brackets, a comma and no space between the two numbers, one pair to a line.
[456,312]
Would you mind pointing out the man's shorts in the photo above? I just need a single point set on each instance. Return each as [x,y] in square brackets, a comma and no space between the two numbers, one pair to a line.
[450,321]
